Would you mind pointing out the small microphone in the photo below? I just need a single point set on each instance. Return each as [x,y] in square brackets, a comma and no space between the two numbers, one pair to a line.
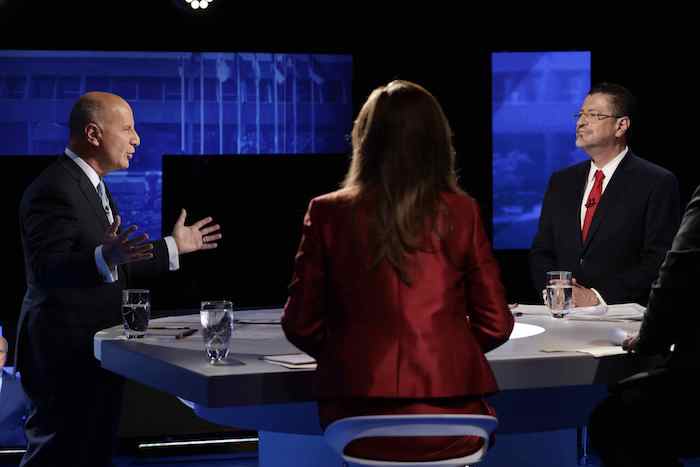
[591,202]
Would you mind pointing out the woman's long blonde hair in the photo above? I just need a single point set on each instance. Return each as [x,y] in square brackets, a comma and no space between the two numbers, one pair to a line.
[403,156]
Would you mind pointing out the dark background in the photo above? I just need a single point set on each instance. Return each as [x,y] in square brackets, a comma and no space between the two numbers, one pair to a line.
[448,53]
[261,202]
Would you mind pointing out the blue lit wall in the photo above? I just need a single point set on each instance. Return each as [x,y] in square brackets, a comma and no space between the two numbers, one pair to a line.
[535,95]
[184,103]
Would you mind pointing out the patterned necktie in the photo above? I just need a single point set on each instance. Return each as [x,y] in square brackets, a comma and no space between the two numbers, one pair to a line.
[105,201]
[592,202]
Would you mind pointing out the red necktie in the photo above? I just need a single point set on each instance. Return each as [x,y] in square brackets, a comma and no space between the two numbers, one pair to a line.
[592,202]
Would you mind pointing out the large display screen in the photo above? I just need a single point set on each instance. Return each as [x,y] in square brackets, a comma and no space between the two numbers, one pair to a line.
[535,95]
[188,103]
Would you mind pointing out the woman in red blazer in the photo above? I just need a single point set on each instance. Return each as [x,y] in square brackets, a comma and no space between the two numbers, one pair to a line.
[396,292]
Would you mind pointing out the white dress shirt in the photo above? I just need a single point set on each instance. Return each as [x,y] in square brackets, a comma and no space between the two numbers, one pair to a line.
[608,170]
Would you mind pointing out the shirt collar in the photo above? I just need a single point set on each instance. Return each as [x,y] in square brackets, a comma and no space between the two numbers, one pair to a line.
[609,168]
[89,171]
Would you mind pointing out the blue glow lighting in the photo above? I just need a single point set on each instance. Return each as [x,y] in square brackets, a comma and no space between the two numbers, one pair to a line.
[184,103]
[534,96]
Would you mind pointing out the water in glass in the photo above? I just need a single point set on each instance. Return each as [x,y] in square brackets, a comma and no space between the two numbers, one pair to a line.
[217,328]
[559,299]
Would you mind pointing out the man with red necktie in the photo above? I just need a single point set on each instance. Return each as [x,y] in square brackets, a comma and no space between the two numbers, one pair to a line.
[609,220]
[592,202]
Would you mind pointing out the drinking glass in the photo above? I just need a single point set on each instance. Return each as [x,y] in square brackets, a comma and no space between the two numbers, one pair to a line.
[136,311]
[559,293]
[216,317]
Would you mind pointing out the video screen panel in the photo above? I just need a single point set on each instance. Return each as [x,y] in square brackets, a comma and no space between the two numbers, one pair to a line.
[188,103]
[535,95]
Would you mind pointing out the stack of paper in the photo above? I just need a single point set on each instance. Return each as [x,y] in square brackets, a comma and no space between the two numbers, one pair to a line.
[597,310]
[621,312]
[594,350]
[293,361]
[632,311]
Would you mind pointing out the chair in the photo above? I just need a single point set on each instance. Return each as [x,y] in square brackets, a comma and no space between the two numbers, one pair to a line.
[341,432]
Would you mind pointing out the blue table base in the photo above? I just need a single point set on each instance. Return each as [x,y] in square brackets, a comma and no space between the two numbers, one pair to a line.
[293,450]
[290,434]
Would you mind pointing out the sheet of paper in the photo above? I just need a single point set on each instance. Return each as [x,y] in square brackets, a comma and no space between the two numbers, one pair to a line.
[306,366]
[293,361]
[596,351]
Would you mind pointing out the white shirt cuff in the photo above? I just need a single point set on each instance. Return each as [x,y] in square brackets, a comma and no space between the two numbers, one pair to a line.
[600,298]
[108,275]
[173,253]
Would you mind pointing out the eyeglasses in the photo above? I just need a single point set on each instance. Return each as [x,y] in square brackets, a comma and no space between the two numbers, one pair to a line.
[594,116]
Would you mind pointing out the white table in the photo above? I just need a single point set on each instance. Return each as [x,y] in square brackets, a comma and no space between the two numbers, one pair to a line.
[539,391]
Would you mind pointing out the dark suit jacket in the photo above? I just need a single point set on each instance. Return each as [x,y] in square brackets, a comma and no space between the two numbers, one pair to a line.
[631,231]
[67,302]
[14,408]
[374,336]
[672,313]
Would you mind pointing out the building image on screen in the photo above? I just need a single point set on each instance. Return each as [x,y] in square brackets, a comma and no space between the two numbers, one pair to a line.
[189,103]
[535,95]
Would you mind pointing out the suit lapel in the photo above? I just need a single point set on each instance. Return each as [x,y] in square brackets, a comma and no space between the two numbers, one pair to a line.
[93,199]
[611,197]
[579,187]
[5,391]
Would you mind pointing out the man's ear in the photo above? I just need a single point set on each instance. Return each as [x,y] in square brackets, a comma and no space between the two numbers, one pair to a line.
[623,126]
[93,134]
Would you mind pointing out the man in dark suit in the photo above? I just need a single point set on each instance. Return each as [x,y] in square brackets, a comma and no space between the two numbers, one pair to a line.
[14,405]
[650,419]
[78,261]
[609,220]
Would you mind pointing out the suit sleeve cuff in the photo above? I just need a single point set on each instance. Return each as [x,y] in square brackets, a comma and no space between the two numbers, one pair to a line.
[173,253]
[108,275]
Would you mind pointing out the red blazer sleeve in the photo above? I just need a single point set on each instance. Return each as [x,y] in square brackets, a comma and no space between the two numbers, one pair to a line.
[303,320]
[490,317]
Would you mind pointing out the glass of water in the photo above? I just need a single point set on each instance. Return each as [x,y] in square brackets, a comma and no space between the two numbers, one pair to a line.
[559,293]
[217,327]
[136,311]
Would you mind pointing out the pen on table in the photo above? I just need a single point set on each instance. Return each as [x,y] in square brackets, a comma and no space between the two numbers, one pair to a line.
[169,328]
[189,332]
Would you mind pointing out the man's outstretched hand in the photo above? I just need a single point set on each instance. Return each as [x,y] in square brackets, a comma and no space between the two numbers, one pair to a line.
[120,249]
[201,235]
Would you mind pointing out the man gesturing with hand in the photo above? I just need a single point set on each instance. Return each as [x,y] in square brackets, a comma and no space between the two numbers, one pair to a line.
[78,259]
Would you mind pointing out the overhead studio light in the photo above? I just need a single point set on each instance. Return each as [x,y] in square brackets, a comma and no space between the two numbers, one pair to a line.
[194,5]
